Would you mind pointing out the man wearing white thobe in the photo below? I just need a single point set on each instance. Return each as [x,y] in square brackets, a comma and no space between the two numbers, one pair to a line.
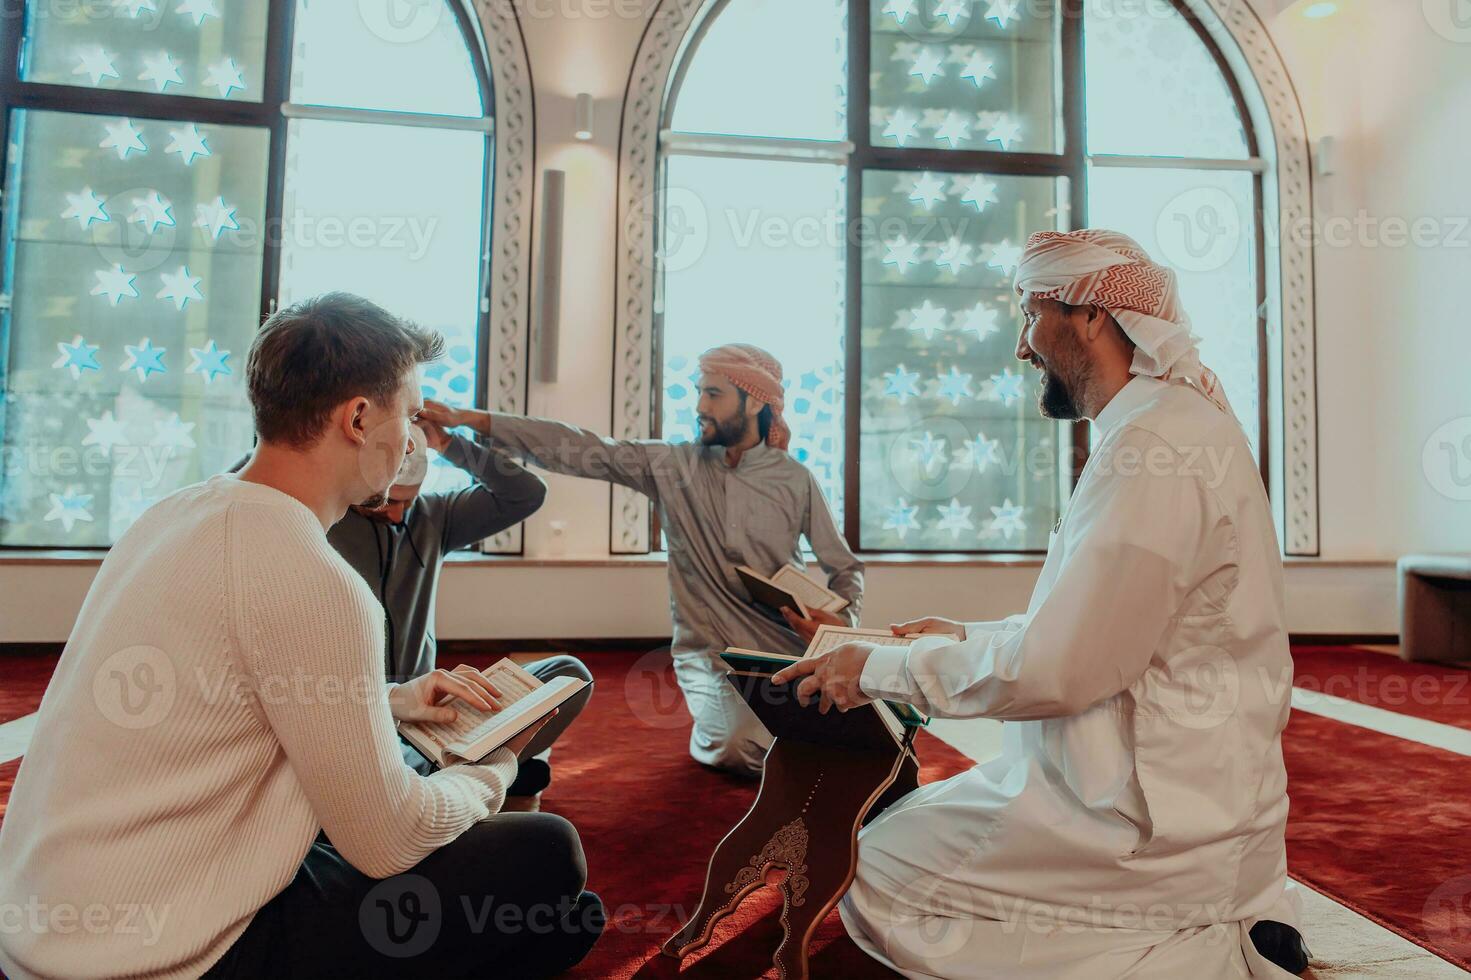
[1133,825]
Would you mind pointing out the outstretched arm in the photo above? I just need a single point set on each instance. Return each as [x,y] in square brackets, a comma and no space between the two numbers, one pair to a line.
[563,448]
[504,492]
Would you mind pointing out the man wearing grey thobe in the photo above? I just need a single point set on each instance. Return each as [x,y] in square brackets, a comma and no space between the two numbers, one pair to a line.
[734,498]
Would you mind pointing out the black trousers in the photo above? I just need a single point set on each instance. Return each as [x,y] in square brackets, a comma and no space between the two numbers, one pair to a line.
[504,899]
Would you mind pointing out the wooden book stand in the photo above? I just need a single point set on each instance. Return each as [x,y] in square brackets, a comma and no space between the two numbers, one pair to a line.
[800,836]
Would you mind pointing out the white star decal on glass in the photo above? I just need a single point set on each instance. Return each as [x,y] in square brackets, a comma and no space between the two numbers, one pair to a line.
[199,9]
[978,68]
[86,207]
[902,518]
[105,432]
[180,287]
[114,283]
[1002,11]
[1007,519]
[173,432]
[953,10]
[1004,256]
[144,359]
[95,63]
[215,217]
[209,361]
[930,449]
[955,385]
[927,64]
[979,453]
[901,252]
[160,69]
[77,356]
[1006,387]
[927,190]
[954,518]
[955,128]
[122,136]
[929,319]
[1004,131]
[69,508]
[152,211]
[955,256]
[224,76]
[978,192]
[902,384]
[979,319]
[134,6]
[188,143]
[901,127]
[899,9]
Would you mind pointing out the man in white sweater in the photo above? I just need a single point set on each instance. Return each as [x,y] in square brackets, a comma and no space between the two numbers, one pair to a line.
[215,785]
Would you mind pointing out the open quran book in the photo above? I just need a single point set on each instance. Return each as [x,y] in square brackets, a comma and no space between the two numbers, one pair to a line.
[785,717]
[474,733]
[792,588]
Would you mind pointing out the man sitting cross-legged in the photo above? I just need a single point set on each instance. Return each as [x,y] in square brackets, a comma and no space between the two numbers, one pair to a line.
[399,548]
[733,498]
[221,701]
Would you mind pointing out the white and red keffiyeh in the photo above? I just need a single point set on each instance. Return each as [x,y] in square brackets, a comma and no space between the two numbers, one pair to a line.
[1110,270]
[758,374]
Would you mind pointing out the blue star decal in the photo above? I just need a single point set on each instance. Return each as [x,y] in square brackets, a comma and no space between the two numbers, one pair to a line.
[209,361]
[902,384]
[77,356]
[902,518]
[145,359]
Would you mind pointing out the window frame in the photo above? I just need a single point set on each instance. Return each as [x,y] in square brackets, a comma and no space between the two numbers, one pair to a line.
[273,112]
[857,152]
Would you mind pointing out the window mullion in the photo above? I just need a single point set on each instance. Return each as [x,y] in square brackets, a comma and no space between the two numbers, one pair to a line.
[276,91]
[859,106]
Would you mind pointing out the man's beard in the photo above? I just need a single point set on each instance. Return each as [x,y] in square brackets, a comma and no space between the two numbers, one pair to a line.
[726,432]
[1059,398]
[375,501]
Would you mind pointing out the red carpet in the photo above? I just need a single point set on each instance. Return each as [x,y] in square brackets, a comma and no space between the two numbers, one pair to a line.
[1434,692]
[1378,823]
[25,677]
[649,818]
[1383,826]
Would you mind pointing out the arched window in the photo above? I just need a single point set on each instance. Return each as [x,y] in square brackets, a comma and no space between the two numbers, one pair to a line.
[178,168]
[849,182]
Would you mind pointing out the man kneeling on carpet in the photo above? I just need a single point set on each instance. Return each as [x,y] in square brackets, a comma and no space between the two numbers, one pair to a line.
[1134,822]
[214,785]
[734,498]
[399,548]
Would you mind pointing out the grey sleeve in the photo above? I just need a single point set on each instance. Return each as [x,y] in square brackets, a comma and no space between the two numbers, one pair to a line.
[843,568]
[504,494]
[563,448]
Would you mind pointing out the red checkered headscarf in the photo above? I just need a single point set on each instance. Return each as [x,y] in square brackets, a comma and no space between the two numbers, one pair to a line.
[1110,270]
[758,374]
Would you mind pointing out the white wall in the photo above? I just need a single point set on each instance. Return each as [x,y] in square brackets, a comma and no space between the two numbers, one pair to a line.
[1394,347]
[1393,330]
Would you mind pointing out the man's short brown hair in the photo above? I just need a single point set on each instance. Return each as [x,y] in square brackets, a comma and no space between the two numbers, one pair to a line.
[316,354]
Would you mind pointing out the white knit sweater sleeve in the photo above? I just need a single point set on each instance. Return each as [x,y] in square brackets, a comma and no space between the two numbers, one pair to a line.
[309,645]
